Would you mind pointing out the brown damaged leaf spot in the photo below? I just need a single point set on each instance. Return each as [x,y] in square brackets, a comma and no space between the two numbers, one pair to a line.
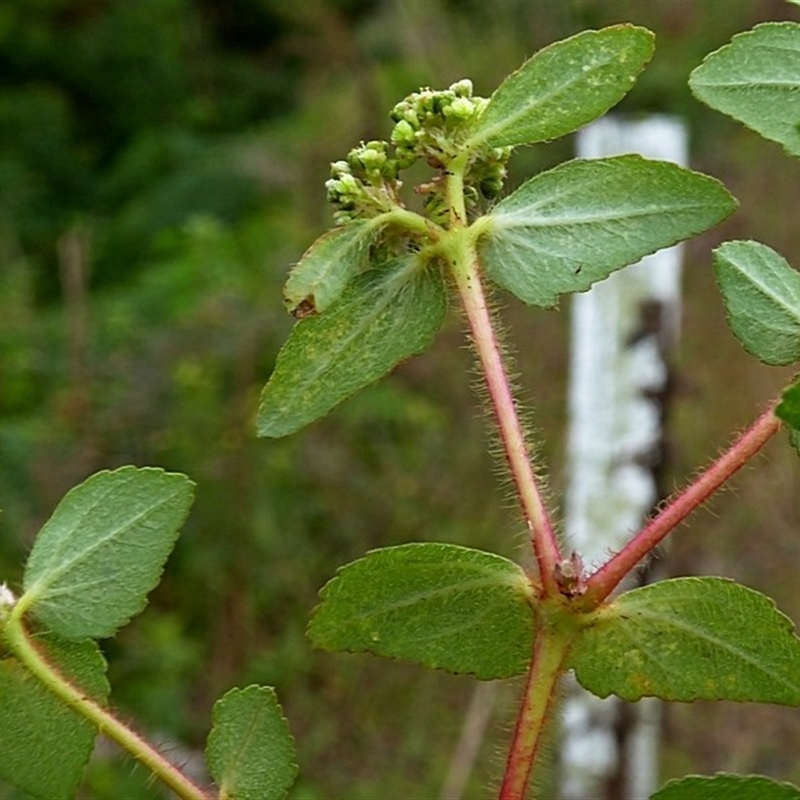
[305,308]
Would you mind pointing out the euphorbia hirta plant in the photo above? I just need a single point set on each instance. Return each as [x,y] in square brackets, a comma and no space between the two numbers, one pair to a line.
[374,291]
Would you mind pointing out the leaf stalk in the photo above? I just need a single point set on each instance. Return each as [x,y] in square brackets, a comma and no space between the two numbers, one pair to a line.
[23,648]
[606,578]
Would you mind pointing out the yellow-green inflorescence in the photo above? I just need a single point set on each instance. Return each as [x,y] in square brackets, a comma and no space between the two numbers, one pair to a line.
[432,126]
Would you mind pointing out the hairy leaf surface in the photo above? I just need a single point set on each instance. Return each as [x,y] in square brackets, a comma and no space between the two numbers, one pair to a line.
[565,85]
[45,746]
[440,605]
[384,316]
[95,560]
[691,639]
[726,787]
[762,297]
[756,80]
[250,751]
[320,276]
[569,227]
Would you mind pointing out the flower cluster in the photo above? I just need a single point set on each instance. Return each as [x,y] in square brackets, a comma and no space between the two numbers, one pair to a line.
[433,126]
[364,185]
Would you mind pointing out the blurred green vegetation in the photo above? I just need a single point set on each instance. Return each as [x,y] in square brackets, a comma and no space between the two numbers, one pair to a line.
[161,165]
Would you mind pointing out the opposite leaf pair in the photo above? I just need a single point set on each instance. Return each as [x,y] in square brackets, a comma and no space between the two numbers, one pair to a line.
[372,292]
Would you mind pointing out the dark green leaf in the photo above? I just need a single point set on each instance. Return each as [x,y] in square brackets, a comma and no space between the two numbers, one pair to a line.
[789,408]
[565,85]
[572,226]
[726,787]
[95,560]
[320,276]
[439,605]
[44,745]
[762,298]
[691,639]
[384,316]
[756,80]
[250,751]
[794,439]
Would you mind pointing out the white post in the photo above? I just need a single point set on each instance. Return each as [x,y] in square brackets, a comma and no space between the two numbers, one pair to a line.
[621,331]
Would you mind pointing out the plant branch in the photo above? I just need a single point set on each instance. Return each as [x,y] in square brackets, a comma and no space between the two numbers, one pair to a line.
[549,651]
[545,545]
[21,646]
[602,582]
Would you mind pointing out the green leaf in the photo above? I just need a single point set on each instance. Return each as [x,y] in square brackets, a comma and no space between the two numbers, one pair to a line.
[564,86]
[690,639]
[250,751]
[789,410]
[794,439]
[95,560]
[726,787]
[44,744]
[384,316]
[440,605]
[569,227]
[756,80]
[321,275]
[762,298]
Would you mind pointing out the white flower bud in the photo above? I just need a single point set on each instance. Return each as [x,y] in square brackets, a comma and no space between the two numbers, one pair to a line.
[7,601]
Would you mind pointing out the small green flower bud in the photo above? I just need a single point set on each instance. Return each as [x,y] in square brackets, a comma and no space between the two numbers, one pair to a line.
[348,184]
[403,134]
[372,160]
[390,169]
[405,158]
[462,88]
[460,109]
[411,117]
[339,168]
[491,187]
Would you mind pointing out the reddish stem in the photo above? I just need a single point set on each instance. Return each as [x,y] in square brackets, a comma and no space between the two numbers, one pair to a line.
[543,537]
[602,582]
[549,651]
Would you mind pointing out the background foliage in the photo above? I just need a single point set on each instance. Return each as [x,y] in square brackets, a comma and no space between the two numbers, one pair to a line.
[161,166]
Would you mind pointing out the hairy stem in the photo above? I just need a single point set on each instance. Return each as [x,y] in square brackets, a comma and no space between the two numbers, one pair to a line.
[602,582]
[21,646]
[549,652]
[545,545]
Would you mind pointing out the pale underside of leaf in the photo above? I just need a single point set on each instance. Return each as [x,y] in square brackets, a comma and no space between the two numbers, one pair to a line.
[250,751]
[756,80]
[691,639]
[762,298]
[572,226]
[319,278]
[103,550]
[385,316]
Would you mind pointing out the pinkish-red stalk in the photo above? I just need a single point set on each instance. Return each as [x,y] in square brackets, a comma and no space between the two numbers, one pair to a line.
[549,651]
[602,582]
[545,545]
